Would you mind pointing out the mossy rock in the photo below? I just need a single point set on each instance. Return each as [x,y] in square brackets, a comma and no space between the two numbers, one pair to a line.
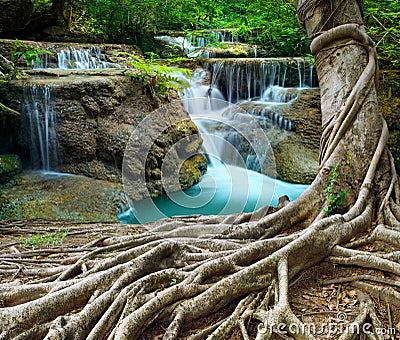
[389,105]
[10,165]
[192,169]
[60,197]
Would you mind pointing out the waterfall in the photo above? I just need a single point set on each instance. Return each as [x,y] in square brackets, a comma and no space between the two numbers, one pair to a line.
[243,79]
[220,126]
[76,59]
[224,126]
[72,58]
[208,38]
[39,112]
[195,45]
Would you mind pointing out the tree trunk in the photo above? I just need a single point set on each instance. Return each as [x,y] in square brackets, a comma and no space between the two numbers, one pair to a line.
[190,267]
[340,62]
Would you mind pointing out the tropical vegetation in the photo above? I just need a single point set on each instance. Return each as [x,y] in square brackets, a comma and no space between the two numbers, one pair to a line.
[272,24]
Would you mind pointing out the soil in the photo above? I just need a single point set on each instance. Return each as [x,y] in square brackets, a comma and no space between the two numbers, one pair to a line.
[326,309]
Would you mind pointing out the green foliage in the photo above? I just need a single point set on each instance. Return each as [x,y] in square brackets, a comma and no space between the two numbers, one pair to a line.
[31,54]
[334,200]
[158,78]
[383,25]
[173,282]
[40,5]
[349,157]
[272,24]
[45,240]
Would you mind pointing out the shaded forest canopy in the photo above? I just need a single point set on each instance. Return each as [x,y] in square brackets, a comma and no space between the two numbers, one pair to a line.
[271,24]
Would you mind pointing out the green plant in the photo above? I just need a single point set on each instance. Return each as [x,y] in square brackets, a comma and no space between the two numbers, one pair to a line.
[173,282]
[157,77]
[31,54]
[349,157]
[334,200]
[310,58]
[45,240]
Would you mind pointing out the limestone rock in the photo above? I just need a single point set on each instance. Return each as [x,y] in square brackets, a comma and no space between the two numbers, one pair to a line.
[60,197]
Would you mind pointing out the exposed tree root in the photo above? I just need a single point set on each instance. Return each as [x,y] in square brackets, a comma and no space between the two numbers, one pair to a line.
[128,282]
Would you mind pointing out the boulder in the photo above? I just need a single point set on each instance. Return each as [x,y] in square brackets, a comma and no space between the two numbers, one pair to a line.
[60,197]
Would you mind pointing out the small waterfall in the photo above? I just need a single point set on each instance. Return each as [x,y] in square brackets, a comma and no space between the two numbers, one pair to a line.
[279,94]
[45,61]
[76,59]
[82,59]
[196,45]
[255,52]
[40,115]
[182,43]
[249,78]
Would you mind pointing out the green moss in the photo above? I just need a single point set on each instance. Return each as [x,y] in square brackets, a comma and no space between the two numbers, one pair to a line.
[192,169]
[73,198]
[45,240]
[10,165]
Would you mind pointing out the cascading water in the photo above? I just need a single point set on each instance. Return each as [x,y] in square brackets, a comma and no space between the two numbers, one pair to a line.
[82,59]
[196,45]
[228,186]
[40,116]
[185,45]
[211,37]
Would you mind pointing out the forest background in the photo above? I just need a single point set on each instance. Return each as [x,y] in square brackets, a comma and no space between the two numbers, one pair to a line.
[271,24]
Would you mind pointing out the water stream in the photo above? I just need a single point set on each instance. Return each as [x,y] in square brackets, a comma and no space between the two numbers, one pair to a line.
[72,58]
[40,115]
[230,185]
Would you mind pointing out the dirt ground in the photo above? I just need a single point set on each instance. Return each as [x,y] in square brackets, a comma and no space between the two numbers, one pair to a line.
[325,308]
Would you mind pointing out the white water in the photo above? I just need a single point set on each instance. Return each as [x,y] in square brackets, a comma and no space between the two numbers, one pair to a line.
[228,186]
[41,117]
[185,45]
[72,58]
[195,46]
[248,79]
[211,37]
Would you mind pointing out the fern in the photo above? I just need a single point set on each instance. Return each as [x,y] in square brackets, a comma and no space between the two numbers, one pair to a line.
[334,200]
[159,78]
[31,54]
